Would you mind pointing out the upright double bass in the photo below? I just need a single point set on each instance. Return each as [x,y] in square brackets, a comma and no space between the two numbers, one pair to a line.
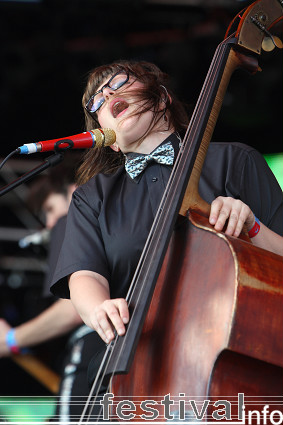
[206,309]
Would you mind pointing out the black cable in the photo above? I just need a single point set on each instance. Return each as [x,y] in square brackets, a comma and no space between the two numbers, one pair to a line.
[8,156]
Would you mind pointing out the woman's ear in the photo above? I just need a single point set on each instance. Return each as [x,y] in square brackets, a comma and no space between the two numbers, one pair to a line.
[165,98]
[115,147]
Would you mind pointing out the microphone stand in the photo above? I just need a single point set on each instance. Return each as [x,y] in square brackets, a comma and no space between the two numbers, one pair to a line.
[51,161]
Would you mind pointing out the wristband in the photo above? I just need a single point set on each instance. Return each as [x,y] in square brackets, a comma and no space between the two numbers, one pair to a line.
[11,342]
[255,229]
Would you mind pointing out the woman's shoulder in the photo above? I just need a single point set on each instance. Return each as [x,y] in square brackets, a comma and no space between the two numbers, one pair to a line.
[100,185]
[233,152]
[233,147]
[102,179]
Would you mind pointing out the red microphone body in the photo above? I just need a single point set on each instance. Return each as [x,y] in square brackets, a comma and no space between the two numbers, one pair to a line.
[99,137]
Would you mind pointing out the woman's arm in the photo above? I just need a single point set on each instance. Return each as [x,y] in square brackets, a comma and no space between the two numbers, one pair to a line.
[91,297]
[237,214]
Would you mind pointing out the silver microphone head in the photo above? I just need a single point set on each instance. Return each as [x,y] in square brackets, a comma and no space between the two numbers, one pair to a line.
[104,137]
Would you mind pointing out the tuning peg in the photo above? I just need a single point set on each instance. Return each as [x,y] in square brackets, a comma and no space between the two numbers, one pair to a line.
[270,42]
[278,42]
[267,44]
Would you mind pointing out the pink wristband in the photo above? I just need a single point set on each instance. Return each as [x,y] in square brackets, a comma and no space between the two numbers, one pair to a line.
[255,229]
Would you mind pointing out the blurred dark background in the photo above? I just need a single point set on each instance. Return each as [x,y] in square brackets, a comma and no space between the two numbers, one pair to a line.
[47,49]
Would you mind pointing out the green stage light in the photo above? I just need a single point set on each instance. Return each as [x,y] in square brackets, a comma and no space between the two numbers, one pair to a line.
[26,409]
[275,162]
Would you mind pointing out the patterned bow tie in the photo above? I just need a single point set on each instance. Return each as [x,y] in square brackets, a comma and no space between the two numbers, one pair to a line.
[164,154]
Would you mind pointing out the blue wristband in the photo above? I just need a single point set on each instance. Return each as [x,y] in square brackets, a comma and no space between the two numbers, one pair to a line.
[11,341]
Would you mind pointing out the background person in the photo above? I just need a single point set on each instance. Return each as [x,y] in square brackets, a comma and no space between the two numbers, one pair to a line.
[51,195]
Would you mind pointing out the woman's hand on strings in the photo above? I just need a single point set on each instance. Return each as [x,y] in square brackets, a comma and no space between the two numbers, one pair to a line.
[109,316]
[233,212]
[90,295]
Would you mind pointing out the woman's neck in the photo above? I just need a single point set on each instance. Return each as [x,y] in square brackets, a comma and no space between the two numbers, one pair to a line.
[151,141]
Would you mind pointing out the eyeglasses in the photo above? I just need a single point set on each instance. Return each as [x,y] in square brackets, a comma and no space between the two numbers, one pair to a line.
[97,99]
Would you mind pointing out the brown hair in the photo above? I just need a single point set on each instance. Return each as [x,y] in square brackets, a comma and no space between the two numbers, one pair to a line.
[56,180]
[156,88]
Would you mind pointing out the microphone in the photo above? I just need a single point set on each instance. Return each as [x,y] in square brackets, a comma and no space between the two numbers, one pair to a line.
[38,238]
[99,137]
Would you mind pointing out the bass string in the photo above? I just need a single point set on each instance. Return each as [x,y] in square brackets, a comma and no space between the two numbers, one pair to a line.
[179,166]
[97,384]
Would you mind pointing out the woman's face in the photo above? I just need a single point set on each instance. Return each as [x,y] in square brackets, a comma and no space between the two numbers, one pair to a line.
[116,111]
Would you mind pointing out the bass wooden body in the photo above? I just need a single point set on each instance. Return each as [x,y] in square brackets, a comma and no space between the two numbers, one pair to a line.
[214,324]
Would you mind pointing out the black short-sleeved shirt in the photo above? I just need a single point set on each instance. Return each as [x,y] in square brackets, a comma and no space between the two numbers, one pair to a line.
[110,216]
[56,240]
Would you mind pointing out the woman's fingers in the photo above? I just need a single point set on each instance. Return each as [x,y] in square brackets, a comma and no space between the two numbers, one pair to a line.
[109,316]
[219,212]
[231,211]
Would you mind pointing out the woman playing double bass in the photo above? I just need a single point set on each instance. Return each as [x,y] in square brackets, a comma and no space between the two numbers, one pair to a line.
[120,188]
